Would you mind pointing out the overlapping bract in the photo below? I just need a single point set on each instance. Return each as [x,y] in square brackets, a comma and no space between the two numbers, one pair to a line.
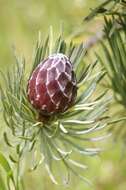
[52,87]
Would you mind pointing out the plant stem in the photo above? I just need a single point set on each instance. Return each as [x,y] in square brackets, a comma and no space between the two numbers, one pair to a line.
[18,170]
[19,181]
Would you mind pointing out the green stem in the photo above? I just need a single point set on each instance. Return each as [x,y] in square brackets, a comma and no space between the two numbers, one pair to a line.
[18,170]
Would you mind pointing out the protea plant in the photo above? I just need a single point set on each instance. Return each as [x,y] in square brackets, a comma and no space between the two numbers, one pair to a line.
[51,110]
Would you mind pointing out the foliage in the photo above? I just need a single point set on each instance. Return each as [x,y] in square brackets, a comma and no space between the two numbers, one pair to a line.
[115,64]
[108,7]
[115,55]
[6,166]
[56,141]
[113,45]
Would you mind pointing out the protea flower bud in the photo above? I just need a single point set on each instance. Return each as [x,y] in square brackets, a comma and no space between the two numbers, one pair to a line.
[52,87]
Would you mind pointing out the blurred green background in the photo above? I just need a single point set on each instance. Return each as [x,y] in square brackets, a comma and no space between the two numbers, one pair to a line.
[20,21]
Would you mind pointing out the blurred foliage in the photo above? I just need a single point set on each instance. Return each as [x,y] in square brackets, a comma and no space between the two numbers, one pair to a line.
[108,7]
[20,22]
[114,61]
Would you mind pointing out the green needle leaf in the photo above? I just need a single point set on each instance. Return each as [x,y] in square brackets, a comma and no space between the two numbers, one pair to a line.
[6,166]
